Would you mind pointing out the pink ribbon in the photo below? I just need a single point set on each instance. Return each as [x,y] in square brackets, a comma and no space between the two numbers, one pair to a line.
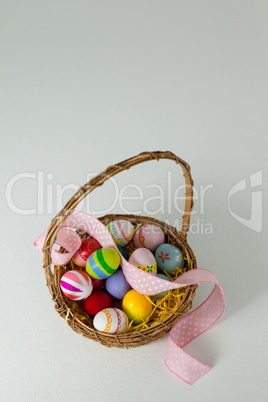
[187,328]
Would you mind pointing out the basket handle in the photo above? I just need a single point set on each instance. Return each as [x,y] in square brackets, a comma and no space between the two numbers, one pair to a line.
[111,171]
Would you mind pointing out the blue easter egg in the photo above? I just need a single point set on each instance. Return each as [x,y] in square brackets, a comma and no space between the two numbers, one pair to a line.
[162,294]
[117,285]
[168,258]
[123,252]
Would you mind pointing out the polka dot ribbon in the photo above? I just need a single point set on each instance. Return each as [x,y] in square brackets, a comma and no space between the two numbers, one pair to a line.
[187,328]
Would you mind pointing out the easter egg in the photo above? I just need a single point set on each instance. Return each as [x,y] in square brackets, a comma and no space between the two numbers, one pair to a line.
[97,283]
[103,263]
[88,246]
[111,321]
[76,285]
[117,285]
[96,302]
[136,306]
[148,236]
[123,252]
[121,231]
[168,258]
[162,294]
[144,259]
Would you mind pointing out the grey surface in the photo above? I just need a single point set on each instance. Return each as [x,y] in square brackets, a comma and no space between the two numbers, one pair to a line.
[87,84]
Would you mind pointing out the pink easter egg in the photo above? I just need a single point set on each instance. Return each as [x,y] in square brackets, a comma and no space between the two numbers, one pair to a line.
[144,259]
[76,285]
[149,236]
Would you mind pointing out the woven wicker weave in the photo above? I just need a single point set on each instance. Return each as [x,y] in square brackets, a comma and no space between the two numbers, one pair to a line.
[179,239]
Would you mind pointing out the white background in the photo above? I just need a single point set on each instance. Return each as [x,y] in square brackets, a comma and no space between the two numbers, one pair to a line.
[87,84]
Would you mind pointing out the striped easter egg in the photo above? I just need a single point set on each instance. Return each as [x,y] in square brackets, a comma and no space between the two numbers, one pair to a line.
[103,263]
[121,231]
[76,285]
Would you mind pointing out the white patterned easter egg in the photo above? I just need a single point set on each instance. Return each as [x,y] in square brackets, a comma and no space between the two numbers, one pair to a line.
[121,231]
[111,321]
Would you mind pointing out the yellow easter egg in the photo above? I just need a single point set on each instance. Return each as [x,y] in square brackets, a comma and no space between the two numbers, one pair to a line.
[136,306]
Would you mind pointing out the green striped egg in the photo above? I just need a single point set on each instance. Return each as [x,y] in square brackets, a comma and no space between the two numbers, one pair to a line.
[103,263]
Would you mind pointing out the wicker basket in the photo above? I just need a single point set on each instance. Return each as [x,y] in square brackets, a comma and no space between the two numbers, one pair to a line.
[70,311]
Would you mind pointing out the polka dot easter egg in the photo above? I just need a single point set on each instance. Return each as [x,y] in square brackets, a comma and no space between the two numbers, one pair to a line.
[143,259]
[121,231]
[76,285]
[87,247]
[111,321]
[148,236]
[103,263]
[169,258]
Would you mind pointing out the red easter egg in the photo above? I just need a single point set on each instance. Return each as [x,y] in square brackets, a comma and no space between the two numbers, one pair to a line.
[87,247]
[97,283]
[96,302]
